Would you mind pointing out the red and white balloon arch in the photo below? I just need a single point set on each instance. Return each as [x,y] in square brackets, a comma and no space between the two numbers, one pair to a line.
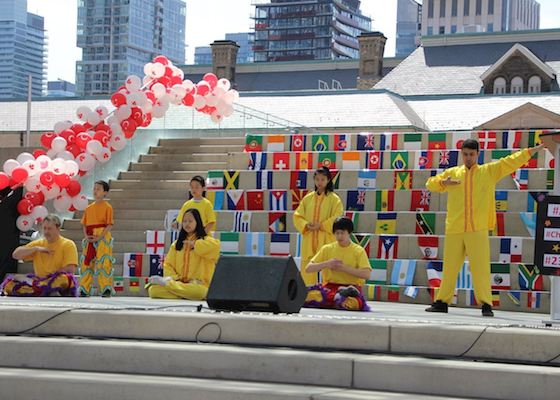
[73,149]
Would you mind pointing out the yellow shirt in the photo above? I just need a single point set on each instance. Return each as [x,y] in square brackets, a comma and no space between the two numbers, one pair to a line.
[353,256]
[471,204]
[202,261]
[65,253]
[203,206]
[98,214]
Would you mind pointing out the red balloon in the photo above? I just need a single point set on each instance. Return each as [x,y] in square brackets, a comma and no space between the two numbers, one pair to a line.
[72,208]
[102,136]
[165,81]
[176,80]
[129,126]
[137,116]
[62,180]
[78,128]
[102,126]
[147,120]
[202,88]
[211,79]
[81,173]
[74,149]
[151,96]
[36,198]
[47,178]
[118,99]
[162,60]
[25,207]
[38,153]
[47,138]
[82,140]
[74,188]
[19,174]
[168,72]
[69,135]
[188,100]
[4,181]
[86,126]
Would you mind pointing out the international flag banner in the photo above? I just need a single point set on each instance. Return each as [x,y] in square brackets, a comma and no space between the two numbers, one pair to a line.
[156,264]
[533,162]
[275,143]
[511,139]
[257,161]
[428,247]
[501,197]
[412,141]
[464,280]
[385,200]
[280,244]
[425,223]
[354,216]
[403,180]
[515,297]
[470,299]
[278,200]
[436,141]
[458,139]
[320,142]
[533,199]
[499,154]
[448,159]
[341,142]
[327,159]
[423,159]
[280,161]
[378,275]
[373,292]
[298,180]
[389,141]
[215,180]
[253,143]
[118,284]
[363,240]
[511,250]
[254,244]
[231,180]
[499,276]
[235,200]
[134,285]
[388,247]
[420,200]
[534,138]
[530,277]
[500,227]
[304,161]
[351,160]
[298,245]
[356,200]
[393,294]
[264,180]
[374,160]
[255,200]
[386,224]
[365,141]
[521,179]
[481,154]
[242,221]
[403,272]
[550,179]
[530,222]
[495,298]
[155,242]
[434,270]
[548,160]
[297,197]
[367,180]
[170,219]
[229,243]
[411,291]
[399,160]
[533,300]
[277,222]
[216,197]
[298,142]
[487,140]
[132,264]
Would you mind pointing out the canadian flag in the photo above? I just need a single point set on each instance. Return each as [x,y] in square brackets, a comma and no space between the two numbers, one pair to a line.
[155,242]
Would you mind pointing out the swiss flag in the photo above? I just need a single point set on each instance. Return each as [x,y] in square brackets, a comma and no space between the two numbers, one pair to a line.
[281,161]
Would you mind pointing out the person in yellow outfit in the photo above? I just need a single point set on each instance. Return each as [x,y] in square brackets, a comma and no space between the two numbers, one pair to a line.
[470,215]
[199,202]
[97,258]
[345,267]
[189,266]
[314,219]
[54,261]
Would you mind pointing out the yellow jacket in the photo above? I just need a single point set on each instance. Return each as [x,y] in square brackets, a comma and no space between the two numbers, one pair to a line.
[471,204]
[201,262]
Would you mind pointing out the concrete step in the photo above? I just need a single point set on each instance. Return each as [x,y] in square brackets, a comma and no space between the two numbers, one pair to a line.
[148,214]
[140,225]
[216,148]
[185,157]
[286,366]
[177,166]
[176,194]
[146,204]
[200,141]
[174,175]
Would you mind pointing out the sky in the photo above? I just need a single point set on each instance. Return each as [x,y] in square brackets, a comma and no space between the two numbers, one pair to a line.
[206,24]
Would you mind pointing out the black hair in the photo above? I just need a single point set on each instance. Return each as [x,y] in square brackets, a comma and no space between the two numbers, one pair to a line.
[199,179]
[104,184]
[470,144]
[326,172]
[343,224]
[199,231]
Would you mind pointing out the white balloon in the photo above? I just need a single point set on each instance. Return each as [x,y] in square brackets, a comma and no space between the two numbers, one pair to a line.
[52,192]
[30,167]
[199,101]
[52,153]
[118,142]
[94,147]
[112,119]
[66,155]
[158,70]
[148,69]
[159,110]
[72,168]
[93,118]
[102,112]
[159,90]
[24,222]
[33,184]
[188,85]
[133,83]
[216,118]
[10,165]
[82,113]
[104,155]
[212,100]
[59,144]
[62,202]
[39,213]
[228,110]
[116,129]
[179,90]
[147,80]
[61,126]
[85,161]
[80,202]
[136,99]
[177,71]
[58,166]
[218,92]
[123,112]
[224,84]
[23,157]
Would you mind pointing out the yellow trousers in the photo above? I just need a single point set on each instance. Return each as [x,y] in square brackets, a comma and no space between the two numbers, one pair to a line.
[178,290]
[476,246]
[101,266]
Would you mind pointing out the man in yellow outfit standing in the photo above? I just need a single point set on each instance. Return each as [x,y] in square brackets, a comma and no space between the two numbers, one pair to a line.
[471,213]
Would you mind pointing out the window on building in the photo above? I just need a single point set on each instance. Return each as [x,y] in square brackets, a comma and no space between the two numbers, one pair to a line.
[517,85]
[478,7]
[499,85]
[466,7]
[442,8]
[453,8]
[442,30]
[430,31]
[453,28]
[490,7]
[431,9]
[535,84]
[490,28]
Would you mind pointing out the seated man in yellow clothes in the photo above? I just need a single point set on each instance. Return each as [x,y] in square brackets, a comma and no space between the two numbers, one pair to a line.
[344,268]
[189,266]
[54,261]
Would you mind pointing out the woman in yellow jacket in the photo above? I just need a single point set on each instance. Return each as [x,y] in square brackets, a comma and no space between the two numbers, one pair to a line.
[471,213]
[314,219]
[190,263]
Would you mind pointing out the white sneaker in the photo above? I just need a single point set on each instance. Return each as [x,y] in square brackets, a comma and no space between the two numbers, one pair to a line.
[159,280]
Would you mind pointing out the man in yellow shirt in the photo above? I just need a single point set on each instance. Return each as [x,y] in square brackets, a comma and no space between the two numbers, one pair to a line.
[54,262]
[344,267]
[471,213]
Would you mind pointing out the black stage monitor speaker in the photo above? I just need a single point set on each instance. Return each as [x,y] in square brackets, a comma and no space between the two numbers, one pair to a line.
[271,284]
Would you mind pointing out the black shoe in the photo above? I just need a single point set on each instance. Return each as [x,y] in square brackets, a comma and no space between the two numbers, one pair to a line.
[106,293]
[83,294]
[438,306]
[349,291]
[487,310]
